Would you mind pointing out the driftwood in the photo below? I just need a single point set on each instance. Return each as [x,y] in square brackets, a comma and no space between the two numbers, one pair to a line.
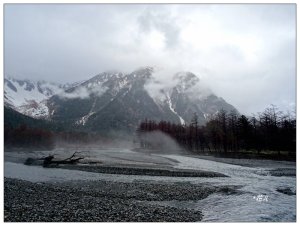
[49,160]
[71,160]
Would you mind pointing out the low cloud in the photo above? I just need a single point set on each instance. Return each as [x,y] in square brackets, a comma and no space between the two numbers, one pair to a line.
[83,92]
[200,91]
[164,80]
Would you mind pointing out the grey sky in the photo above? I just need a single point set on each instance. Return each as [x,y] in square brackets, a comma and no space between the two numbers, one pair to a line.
[245,53]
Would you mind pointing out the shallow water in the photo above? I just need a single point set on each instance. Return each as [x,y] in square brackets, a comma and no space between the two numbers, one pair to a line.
[247,205]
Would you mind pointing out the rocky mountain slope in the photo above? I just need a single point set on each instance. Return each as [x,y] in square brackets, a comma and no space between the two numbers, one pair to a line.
[116,101]
[30,97]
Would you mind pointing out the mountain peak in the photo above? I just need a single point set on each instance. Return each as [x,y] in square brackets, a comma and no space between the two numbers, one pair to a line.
[186,80]
[147,68]
[143,73]
[106,76]
[185,76]
[113,99]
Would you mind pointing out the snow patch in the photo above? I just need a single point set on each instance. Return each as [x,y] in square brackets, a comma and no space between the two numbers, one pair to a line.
[84,119]
[173,110]
[34,109]
[30,97]
[22,96]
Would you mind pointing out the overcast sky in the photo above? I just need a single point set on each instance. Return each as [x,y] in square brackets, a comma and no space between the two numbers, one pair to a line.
[244,53]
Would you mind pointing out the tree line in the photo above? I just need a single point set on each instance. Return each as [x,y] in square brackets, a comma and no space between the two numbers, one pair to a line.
[269,131]
[25,136]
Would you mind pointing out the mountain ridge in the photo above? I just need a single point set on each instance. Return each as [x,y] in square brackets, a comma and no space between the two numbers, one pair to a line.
[117,100]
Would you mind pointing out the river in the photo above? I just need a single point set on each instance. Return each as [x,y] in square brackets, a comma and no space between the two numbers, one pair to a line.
[260,197]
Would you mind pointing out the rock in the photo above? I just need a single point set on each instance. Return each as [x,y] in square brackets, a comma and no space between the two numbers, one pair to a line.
[286,191]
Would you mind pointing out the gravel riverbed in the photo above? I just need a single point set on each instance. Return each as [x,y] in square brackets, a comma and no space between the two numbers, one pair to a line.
[142,171]
[121,185]
[102,201]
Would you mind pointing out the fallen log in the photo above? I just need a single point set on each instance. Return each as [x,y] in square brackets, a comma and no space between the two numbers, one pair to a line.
[70,160]
[50,160]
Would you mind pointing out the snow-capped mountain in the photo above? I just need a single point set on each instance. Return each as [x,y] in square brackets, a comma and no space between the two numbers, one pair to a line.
[120,101]
[116,100]
[30,97]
